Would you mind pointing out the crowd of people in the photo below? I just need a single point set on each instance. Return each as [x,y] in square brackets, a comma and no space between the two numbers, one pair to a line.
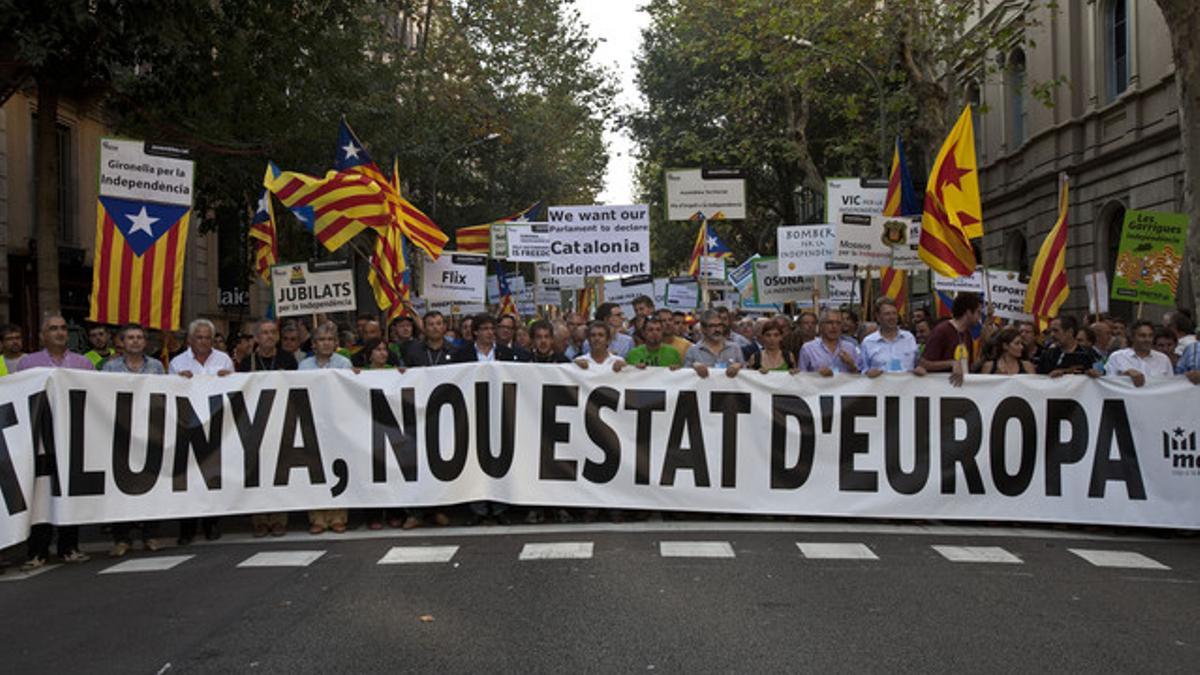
[831,342]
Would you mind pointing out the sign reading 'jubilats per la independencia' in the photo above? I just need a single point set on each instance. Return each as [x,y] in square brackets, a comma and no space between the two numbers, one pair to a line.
[299,289]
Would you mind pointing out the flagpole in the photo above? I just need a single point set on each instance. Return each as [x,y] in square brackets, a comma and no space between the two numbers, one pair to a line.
[700,265]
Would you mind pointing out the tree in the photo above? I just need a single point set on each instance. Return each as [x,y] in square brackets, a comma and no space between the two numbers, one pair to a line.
[1183,20]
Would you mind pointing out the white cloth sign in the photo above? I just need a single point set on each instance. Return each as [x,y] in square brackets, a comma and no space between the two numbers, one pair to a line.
[300,290]
[772,287]
[594,241]
[454,277]
[807,249]
[1025,448]
[1006,295]
[528,242]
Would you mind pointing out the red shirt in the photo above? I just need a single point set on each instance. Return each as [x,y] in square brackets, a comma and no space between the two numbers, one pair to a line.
[944,339]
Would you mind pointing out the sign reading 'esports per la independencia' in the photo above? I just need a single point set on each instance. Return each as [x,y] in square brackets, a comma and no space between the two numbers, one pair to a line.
[1028,448]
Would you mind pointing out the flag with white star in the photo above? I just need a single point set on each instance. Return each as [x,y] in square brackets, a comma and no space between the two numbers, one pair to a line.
[263,235]
[137,268]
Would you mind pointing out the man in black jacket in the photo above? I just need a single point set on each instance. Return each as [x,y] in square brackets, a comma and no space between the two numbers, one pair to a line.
[541,334]
[484,348]
[433,349]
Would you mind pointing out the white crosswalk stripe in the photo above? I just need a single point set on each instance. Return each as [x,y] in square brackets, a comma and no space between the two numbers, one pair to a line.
[977,554]
[156,564]
[567,550]
[404,555]
[22,576]
[282,559]
[695,549]
[835,551]
[1127,559]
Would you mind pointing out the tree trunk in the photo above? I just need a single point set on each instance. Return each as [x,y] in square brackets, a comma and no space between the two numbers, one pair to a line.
[46,224]
[1183,19]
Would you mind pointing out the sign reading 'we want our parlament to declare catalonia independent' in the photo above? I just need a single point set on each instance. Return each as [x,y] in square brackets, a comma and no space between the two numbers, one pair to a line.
[595,241]
[305,289]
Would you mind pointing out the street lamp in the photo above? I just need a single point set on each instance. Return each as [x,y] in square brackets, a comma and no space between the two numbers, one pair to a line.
[438,167]
[883,144]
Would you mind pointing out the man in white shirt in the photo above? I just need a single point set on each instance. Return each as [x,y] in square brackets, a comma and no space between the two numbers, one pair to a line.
[200,358]
[598,354]
[612,314]
[890,349]
[1140,361]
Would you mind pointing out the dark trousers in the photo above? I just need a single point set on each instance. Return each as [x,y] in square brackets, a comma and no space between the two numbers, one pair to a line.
[123,532]
[187,526]
[40,536]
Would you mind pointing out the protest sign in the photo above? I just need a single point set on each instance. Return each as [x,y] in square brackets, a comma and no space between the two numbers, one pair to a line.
[712,267]
[1076,450]
[841,289]
[807,249]
[526,304]
[303,289]
[547,295]
[879,241]
[853,195]
[683,293]
[1097,288]
[690,193]
[528,242]
[498,241]
[454,277]
[625,290]
[1006,295]
[566,282]
[594,241]
[772,287]
[971,284]
[1149,257]
[142,172]
[516,284]
[660,291]
[453,308]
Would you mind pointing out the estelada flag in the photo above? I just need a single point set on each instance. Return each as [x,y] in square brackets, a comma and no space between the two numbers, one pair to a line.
[264,238]
[137,269]
[952,212]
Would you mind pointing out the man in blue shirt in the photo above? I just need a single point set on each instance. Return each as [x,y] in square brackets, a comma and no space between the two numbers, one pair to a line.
[890,349]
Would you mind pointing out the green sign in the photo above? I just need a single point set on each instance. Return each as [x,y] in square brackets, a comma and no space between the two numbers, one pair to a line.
[1148,260]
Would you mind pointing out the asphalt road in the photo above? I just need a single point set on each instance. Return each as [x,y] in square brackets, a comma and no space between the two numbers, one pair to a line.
[497,604]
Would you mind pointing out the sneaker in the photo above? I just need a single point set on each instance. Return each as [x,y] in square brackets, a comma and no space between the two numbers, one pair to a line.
[278,530]
[76,556]
[152,545]
[411,522]
[119,550]
[440,519]
[34,563]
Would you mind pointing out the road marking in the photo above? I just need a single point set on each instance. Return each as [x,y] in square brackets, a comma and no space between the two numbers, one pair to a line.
[695,549]
[403,555]
[282,559]
[836,551]
[22,576]
[977,554]
[565,550]
[1118,559]
[158,564]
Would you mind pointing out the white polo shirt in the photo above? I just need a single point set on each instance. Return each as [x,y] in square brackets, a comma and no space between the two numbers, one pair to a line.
[1156,364]
[216,362]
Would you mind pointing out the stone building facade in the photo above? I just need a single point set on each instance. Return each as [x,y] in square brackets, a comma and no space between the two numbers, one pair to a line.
[1113,127]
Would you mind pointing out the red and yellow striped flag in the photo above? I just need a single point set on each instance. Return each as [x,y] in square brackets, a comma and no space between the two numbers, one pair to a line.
[137,269]
[1048,287]
[334,208]
[263,236]
[952,213]
[474,239]
[901,200]
[387,270]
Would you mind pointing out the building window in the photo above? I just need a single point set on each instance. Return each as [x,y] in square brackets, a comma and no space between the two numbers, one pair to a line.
[1016,98]
[66,183]
[1016,254]
[1116,47]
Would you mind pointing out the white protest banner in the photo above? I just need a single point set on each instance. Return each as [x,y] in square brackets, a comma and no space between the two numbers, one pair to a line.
[594,241]
[690,192]
[566,282]
[971,284]
[1097,288]
[683,293]
[528,242]
[660,291]
[516,284]
[625,290]
[771,287]
[1030,448]
[498,241]
[1006,295]
[807,249]
[712,267]
[853,195]
[145,172]
[547,295]
[841,289]
[454,277]
[879,241]
[302,289]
